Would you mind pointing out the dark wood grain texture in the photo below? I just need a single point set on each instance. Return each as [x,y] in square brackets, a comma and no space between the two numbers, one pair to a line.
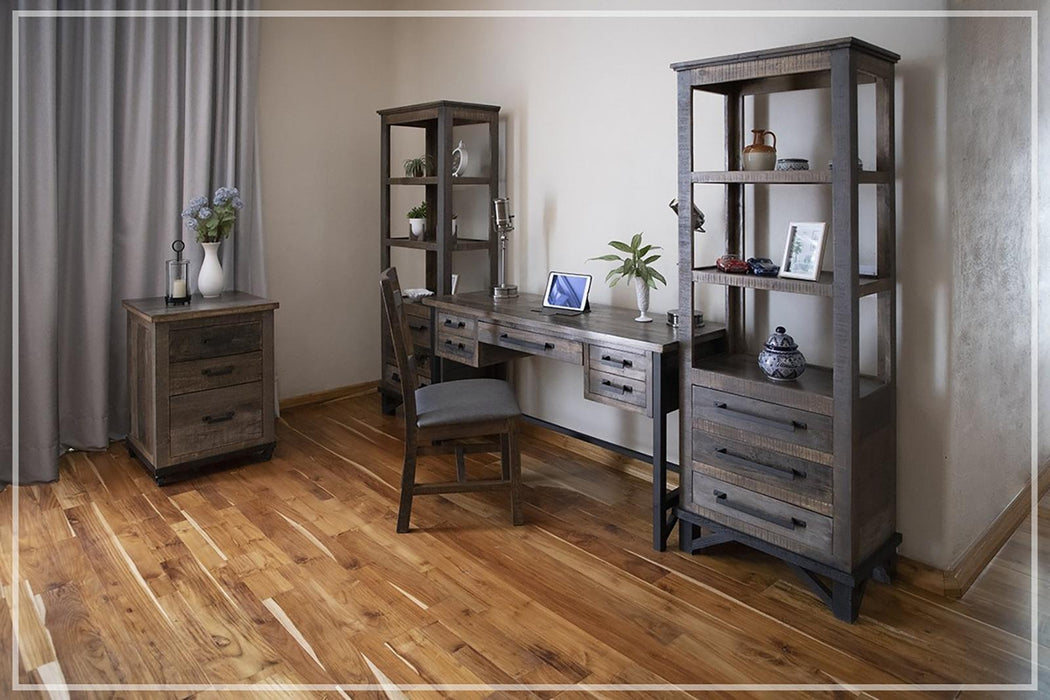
[850,419]
[201,381]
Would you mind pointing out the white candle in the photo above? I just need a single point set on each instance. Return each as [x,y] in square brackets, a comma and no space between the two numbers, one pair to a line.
[178,289]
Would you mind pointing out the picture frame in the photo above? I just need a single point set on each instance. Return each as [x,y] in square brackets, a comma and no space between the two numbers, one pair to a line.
[804,250]
[455,283]
[567,291]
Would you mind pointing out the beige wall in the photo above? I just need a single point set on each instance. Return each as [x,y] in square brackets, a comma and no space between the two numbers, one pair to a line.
[589,129]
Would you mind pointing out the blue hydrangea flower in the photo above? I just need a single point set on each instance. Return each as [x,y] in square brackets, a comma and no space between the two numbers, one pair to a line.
[222,195]
[191,224]
[198,202]
[204,214]
[237,203]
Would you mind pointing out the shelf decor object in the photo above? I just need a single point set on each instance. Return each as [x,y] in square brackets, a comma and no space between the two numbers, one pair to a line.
[176,289]
[803,470]
[503,222]
[440,245]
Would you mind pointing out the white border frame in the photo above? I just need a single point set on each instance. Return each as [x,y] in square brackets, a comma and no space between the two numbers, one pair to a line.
[550,282]
[1031,15]
[807,229]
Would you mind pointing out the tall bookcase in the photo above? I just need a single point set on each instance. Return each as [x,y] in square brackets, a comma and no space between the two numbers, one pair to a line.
[805,471]
[437,120]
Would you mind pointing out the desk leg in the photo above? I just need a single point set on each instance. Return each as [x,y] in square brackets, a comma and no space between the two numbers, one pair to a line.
[663,522]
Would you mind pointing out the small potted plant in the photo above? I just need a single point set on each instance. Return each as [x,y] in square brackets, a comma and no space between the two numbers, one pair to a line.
[418,167]
[417,220]
[635,265]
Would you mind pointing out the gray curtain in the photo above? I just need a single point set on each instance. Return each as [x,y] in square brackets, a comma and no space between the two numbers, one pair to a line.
[122,121]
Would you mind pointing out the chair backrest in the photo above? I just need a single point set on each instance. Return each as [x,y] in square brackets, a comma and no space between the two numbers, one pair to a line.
[404,348]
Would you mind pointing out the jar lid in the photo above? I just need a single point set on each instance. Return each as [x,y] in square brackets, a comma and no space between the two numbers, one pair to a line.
[780,340]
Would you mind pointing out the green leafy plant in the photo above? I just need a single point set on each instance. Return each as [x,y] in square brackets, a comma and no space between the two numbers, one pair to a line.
[636,262]
[418,167]
[418,212]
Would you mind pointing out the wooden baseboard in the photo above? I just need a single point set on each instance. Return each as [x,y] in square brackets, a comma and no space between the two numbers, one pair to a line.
[343,392]
[965,570]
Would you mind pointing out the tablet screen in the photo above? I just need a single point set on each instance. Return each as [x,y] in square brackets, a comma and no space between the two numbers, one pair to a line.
[567,291]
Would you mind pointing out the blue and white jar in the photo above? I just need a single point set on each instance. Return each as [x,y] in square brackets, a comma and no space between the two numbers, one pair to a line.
[781,359]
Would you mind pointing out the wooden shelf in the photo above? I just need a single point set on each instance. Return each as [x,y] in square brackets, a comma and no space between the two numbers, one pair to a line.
[781,177]
[461,244]
[740,374]
[822,287]
[432,180]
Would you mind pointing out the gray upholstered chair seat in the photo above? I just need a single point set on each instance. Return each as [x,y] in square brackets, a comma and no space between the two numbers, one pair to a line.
[465,401]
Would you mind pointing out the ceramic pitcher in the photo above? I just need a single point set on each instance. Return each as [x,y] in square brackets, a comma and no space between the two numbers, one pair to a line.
[759,155]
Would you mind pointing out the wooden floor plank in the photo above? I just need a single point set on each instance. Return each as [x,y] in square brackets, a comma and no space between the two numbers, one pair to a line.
[291,571]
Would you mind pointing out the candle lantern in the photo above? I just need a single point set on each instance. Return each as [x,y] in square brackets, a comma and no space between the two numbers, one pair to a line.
[178,290]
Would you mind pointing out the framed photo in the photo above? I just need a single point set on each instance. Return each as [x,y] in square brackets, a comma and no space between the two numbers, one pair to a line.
[804,250]
[455,283]
[567,290]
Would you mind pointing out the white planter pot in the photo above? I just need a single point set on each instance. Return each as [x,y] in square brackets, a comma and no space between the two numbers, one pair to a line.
[416,227]
[210,281]
[641,291]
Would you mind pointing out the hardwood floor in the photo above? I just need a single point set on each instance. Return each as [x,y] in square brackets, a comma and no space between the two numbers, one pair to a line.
[290,573]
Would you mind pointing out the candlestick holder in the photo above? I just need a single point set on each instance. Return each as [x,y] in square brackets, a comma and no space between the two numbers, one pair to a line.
[177,290]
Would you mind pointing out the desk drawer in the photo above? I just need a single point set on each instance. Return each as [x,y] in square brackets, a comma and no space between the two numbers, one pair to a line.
[457,325]
[456,347]
[214,373]
[786,478]
[419,325]
[392,377]
[620,362]
[531,343]
[789,430]
[207,420]
[214,341]
[622,392]
[769,519]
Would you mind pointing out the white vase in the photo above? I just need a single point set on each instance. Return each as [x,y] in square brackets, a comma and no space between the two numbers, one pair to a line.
[641,291]
[416,227]
[209,281]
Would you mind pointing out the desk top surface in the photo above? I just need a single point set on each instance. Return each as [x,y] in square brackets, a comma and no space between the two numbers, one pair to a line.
[601,324]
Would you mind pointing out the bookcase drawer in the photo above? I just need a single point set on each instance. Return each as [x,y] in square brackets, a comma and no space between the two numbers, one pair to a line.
[772,520]
[781,428]
[790,479]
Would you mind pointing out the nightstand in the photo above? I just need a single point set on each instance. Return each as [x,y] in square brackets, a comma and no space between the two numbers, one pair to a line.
[200,382]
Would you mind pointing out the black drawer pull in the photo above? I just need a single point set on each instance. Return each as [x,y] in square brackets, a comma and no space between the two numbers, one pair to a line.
[777,472]
[395,377]
[788,425]
[620,364]
[221,418]
[217,371]
[420,327]
[786,523]
[457,324]
[455,345]
[624,388]
[541,347]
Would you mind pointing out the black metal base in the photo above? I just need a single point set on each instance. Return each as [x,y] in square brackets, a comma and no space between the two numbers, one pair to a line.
[846,589]
[208,465]
[176,301]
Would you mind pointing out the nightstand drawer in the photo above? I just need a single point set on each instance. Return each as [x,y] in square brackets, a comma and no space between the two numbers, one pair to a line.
[781,476]
[622,392]
[216,340]
[531,343]
[620,362]
[210,419]
[774,521]
[457,325]
[214,373]
[789,430]
[456,347]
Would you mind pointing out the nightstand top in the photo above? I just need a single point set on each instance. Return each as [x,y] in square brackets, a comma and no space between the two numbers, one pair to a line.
[154,309]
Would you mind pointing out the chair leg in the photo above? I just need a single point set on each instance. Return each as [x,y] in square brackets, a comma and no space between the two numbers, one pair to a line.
[461,466]
[514,459]
[504,455]
[408,483]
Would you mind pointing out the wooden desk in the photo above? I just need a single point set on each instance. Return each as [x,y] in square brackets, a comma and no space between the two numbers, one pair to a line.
[629,365]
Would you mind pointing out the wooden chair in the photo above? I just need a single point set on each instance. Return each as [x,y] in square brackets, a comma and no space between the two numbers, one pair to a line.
[440,416]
